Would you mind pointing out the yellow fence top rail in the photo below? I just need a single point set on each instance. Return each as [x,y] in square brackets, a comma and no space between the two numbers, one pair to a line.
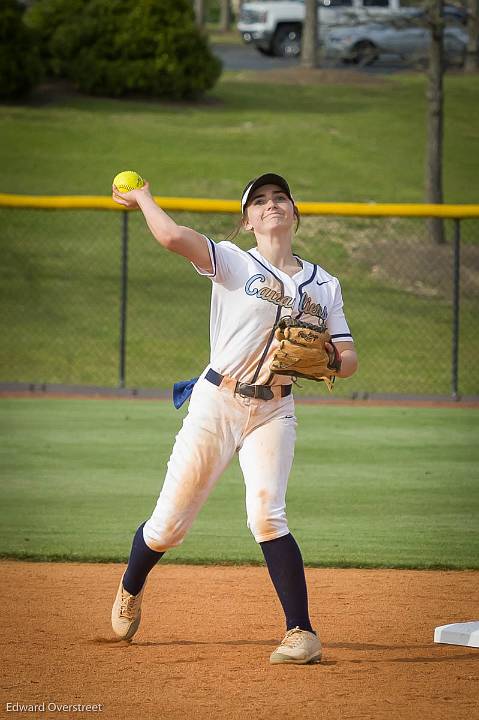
[98,202]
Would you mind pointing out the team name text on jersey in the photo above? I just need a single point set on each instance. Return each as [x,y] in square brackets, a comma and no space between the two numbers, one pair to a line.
[306,304]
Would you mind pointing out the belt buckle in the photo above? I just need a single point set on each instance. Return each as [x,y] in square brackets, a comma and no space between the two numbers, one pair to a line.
[258,392]
[241,390]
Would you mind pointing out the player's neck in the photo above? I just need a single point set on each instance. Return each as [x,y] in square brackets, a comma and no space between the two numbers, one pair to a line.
[277,250]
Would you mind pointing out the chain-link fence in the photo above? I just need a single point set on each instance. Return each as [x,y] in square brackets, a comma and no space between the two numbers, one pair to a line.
[89,298]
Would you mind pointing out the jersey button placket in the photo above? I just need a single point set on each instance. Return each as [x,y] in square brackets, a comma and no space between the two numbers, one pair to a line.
[291,289]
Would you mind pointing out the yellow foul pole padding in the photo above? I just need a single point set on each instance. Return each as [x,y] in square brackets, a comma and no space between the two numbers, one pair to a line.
[206,205]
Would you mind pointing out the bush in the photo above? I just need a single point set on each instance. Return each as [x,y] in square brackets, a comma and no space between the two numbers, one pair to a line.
[20,67]
[50,20]
[120,47]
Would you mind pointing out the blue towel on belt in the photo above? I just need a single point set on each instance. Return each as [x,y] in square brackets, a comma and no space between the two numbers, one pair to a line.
[182,391]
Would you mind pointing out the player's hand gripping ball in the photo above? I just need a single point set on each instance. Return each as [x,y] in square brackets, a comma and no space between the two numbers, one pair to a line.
[128,180]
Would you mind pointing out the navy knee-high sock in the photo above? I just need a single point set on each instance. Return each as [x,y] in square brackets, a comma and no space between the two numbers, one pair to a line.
[142,560]
[285,565]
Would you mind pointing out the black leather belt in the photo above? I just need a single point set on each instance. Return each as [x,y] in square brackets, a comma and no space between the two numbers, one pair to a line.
[260,392]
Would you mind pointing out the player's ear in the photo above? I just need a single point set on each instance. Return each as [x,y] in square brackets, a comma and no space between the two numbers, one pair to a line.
[245,222]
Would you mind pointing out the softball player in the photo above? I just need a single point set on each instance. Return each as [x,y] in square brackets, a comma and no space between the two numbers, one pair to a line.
[237,404]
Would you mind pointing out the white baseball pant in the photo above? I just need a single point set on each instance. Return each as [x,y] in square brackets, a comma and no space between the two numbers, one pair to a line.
[218,424]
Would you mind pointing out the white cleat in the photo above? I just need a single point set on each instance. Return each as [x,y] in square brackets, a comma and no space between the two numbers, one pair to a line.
[126,612]
[299,647]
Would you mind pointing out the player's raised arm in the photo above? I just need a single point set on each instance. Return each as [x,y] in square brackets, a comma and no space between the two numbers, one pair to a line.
[176,238]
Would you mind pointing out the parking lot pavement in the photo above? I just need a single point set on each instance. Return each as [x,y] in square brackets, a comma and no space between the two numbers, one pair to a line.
[246,57]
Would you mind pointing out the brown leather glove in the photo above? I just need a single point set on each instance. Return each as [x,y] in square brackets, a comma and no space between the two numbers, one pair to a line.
[303,353]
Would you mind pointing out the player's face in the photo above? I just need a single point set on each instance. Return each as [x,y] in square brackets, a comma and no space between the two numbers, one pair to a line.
[269,209]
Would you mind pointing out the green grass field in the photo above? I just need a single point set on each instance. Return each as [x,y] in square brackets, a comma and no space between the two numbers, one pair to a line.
[361,140]
[371,487]
[358,141]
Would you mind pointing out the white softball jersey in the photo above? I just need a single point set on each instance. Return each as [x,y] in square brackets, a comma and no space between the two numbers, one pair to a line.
[249,296]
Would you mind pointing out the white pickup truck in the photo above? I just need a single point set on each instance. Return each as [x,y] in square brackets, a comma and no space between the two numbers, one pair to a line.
[275,26]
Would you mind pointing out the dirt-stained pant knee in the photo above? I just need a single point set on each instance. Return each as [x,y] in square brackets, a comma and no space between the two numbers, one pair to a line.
[218,425]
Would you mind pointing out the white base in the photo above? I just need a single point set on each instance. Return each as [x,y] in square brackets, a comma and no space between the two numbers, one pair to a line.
[466,633]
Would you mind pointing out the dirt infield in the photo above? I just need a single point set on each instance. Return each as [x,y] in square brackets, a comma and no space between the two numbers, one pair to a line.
[202,649]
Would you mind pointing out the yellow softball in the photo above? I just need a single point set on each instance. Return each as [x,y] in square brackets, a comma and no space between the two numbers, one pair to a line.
[128,180]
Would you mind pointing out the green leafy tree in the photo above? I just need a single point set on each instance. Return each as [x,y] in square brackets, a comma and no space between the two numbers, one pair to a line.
[124,47]
[52,21]
[20,67]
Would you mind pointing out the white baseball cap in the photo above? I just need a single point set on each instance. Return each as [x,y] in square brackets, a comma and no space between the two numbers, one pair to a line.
[266,179]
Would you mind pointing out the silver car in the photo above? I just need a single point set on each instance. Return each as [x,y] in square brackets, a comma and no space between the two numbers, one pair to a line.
[408,40]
